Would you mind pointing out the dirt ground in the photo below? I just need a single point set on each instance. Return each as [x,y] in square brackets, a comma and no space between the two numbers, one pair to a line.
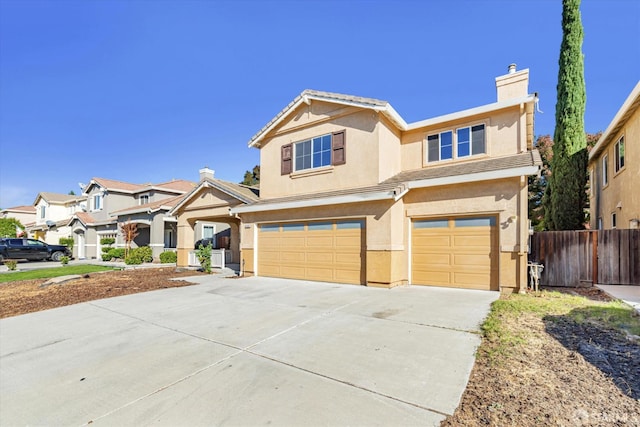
[566,374]
[27,296]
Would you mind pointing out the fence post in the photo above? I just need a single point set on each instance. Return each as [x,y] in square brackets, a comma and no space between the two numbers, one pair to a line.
[594,259]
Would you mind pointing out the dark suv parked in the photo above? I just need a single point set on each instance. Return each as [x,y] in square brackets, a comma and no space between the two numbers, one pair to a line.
[31,249]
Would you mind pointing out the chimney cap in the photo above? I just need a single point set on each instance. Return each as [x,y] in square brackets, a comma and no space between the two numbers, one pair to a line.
[512,68]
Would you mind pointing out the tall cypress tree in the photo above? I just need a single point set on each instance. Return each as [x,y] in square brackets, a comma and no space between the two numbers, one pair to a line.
[568,178]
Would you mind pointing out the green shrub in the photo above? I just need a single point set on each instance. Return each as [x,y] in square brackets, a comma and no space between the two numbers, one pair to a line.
[11,264]
[168,257]
[139,255]
[203,253]
[113,253]
[133,258]
[64,260]
[66,241]
[107,241]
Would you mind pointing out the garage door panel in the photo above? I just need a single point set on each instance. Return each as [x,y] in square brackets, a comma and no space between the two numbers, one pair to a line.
[292,257]
[431,241]
[319,257]
[472,261]
[319,242]
[432,259]
[433,277]
[481,242]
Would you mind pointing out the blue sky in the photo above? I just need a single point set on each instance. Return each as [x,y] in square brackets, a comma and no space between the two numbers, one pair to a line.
[147,91]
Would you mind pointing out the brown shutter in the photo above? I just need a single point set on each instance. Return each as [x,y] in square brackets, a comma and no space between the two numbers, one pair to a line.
[338,147]
[286,162]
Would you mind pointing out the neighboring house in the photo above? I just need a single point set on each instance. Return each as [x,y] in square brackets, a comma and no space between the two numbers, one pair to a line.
[53,211]
[25,214]
[111,203]
[204,213]
[614,170]
[351,193]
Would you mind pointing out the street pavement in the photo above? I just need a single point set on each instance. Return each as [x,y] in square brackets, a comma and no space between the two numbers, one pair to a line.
[249,351]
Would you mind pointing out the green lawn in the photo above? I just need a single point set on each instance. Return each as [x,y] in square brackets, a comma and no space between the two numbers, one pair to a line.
[51,272]
[503,333]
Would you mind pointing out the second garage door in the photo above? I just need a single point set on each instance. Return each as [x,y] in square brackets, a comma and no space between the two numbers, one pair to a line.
[455,252]
[328,251]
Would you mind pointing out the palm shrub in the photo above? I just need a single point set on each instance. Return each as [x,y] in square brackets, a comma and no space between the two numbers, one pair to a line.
[203,253]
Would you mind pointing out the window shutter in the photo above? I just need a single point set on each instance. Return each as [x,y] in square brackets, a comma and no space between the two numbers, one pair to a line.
[286,161]
[338,148]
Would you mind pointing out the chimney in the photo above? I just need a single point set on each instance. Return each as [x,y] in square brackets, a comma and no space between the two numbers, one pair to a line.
[514,84]
[206,173]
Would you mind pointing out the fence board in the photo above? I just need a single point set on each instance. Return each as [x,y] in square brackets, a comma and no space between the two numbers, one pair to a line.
[568,257]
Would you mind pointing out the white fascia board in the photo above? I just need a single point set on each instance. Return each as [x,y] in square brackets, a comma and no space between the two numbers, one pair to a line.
[474,177]
[256,142]
[188,197]
[336,200]
[614,123]
[471,112]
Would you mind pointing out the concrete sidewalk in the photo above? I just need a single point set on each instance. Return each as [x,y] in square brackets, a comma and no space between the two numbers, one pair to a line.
[244,352]
[629,294]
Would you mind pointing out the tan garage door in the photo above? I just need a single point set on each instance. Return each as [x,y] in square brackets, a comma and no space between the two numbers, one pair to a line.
[328,251]
[455,252]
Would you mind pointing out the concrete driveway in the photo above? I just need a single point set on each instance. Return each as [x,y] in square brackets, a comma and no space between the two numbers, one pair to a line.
[251,351]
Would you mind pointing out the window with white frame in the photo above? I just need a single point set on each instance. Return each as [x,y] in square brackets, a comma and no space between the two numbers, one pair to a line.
[97,202]
[313,153]
[464,142]
[440,146]
[619,154]
[43,211]
[470,141]
[614,220]
[144,199]
[208,231]
[605,170]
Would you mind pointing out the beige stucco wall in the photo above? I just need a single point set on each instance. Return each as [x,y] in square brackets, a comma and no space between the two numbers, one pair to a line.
[623,186]
[362,154]
[505,135]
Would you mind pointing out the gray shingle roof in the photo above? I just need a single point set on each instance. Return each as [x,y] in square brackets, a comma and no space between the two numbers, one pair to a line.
[529,158]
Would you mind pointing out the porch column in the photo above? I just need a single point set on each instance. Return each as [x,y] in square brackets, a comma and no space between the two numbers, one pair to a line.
[186,237]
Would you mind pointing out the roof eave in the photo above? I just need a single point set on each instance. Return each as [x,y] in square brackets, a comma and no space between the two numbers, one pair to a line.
[334,200]
[472,112]
[632,99]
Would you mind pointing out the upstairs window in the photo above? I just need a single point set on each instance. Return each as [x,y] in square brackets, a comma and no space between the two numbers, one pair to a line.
[614,220]
[321,151]
[605,170]
[313,153]
[465,142]
[471,141]
[619,154]
[440,146]
[144,199]
[97,202]
[43,212]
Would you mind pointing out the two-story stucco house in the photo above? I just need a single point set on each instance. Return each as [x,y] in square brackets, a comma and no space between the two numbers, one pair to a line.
[111,203]
[53,211]
[352,193]
[614,170]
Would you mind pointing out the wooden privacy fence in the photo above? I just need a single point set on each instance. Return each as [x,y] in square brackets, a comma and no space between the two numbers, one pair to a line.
[584,258]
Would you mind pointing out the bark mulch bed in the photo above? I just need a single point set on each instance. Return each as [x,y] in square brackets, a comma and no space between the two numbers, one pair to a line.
[27,296]
[565,374]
